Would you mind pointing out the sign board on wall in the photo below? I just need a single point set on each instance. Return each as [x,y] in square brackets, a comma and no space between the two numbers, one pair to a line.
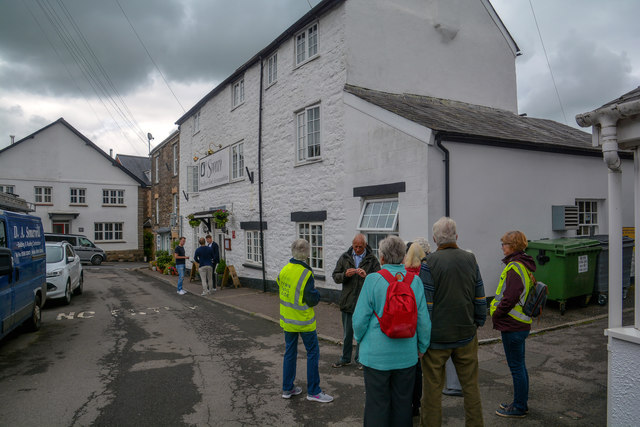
[214,170]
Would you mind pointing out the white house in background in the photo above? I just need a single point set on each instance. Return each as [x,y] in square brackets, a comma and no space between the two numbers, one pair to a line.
[295,146]
[76,188]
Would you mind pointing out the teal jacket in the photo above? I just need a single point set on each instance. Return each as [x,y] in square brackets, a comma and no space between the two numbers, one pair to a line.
[377,350]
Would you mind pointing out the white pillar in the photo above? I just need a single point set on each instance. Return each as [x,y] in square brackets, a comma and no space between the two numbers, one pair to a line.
[615,249]
[636,215]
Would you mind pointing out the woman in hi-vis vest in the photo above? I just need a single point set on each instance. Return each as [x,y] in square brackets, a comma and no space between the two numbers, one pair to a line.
[509,319]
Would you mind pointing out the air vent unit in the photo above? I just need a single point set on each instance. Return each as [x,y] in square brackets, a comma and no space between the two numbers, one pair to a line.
[564,218]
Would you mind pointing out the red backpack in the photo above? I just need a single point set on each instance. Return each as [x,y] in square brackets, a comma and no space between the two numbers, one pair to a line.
[400,316]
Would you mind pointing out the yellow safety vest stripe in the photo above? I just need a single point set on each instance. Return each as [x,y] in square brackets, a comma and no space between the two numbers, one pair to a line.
[295,315]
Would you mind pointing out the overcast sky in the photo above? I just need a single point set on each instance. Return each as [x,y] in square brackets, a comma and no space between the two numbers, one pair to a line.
[592,47]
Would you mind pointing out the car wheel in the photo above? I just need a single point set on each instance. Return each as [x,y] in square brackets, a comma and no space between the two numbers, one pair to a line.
[33,323]
[96,260]
[79,290]
[67,293]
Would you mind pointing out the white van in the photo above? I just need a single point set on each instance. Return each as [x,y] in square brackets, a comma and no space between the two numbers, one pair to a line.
[23,275]
[84,247]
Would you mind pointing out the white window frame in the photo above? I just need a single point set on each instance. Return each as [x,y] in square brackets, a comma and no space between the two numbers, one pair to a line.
[175,159]
[108,231]
[588,217]
[192,179]
[375,228]
[252,252]
[9,189]
[306,44]
[43,195]
[80,196]
[196,122]
[304,134]
[237,161]
[237,93]
[157,161]
[272,69]
[112,197]
[316,257]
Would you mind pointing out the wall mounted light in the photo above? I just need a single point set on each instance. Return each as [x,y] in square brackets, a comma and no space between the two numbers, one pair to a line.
[211,150]
[195,158]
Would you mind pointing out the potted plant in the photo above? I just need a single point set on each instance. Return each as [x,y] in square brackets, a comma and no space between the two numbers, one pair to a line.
[220,271]
[193,222]
[220,217]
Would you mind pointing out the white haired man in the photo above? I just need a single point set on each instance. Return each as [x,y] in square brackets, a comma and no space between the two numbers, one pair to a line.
[459,308]
[298,296]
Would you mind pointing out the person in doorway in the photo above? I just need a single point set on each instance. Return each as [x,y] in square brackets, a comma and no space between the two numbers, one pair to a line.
[506,313]
[180,257]
[459,308]
[216,258]
[389,363]
[298,296]
[352,268]
[204,258]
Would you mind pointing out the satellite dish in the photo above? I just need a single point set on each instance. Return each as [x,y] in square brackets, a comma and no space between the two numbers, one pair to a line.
[149,136]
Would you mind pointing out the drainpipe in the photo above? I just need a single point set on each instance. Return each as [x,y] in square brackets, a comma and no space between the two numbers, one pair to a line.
[438,141]
[636,187]
[264,274]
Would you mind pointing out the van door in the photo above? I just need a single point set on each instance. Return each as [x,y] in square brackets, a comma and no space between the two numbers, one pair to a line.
[6,278]
[84,248]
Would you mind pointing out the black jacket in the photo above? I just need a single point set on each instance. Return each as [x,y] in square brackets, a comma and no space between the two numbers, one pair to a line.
[351,286]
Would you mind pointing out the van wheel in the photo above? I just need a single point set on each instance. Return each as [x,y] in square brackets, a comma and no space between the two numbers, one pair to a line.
[67,293]
[96,260]
[78,290]
[34,322]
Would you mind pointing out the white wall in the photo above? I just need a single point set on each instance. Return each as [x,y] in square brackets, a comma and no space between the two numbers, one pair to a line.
[494,190]
[58,158]
[402,47]
[625,377]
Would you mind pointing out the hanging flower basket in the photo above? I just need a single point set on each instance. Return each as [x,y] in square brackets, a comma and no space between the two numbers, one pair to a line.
[193,222]
[221,217]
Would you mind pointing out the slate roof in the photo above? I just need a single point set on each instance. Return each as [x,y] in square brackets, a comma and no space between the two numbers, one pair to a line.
[461,119]
[136,165]
[633,95]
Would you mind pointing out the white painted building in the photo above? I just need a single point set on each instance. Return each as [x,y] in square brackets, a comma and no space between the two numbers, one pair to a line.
[331,155]
[76,188]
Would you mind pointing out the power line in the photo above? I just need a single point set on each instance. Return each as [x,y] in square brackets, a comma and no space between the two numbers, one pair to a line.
[150,57]
[548,64]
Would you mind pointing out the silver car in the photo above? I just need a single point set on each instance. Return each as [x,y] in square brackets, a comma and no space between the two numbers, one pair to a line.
[64,271]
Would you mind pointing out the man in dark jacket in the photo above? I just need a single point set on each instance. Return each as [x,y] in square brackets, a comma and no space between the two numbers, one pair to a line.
[459,308]
[351,269]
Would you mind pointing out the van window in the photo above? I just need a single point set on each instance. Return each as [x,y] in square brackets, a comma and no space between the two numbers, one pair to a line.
[3,235]
[54,238]
[85,242]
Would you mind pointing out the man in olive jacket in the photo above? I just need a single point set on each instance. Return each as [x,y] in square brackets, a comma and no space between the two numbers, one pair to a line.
[351,269]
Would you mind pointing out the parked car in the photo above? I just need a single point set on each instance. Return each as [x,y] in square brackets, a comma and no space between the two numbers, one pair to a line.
[64,272]
[84,247]
[23,286]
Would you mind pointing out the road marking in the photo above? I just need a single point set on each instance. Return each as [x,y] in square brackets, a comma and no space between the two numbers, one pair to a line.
[72,315]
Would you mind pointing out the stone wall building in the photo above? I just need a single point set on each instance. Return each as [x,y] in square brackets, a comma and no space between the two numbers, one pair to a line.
[166,221]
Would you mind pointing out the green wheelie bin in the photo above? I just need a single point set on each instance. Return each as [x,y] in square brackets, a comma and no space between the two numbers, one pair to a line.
[567,266]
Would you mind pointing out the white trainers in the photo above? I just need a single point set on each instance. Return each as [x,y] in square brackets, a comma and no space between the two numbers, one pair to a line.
[182,292]
[294,392]
[321,397]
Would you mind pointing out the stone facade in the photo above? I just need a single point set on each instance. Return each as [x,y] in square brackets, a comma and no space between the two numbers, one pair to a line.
[164,188]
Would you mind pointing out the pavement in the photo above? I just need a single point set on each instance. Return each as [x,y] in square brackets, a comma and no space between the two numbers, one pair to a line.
[566,355]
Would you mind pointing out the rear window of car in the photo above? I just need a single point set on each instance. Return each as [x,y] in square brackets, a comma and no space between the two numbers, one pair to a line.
[54,254]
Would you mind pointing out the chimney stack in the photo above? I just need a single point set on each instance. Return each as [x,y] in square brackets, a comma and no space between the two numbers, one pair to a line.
[13,139]
[111,152]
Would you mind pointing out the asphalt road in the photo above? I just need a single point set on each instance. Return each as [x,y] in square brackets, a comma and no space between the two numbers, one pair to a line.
[130,351]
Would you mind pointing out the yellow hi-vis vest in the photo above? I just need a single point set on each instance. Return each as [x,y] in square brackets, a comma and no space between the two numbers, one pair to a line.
[295,315]
[516,312]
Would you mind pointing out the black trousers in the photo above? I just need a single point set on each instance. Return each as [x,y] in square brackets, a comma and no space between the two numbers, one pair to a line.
[388,397]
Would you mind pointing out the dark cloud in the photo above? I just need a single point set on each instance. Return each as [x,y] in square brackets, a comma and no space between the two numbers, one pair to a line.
[198,40]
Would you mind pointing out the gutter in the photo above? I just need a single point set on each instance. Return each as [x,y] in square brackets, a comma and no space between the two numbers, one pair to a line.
[446,160]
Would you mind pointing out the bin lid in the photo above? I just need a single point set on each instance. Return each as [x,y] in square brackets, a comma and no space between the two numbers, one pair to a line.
[566,245]
[604,239]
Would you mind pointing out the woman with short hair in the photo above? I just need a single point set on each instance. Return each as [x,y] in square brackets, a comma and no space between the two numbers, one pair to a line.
[508,317]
